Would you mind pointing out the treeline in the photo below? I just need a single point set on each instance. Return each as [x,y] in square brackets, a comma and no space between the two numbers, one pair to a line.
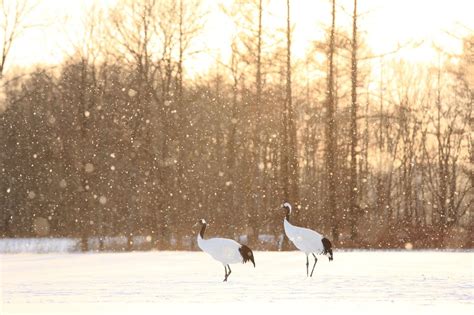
[118,141]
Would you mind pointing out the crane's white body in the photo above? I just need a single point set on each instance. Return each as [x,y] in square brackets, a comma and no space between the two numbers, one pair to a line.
[221,249]
[224,250]
[306,240]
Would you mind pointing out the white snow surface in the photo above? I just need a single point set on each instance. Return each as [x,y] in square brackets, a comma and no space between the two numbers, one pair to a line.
[356,282]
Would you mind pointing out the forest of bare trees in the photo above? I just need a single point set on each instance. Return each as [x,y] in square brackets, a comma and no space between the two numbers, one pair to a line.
[119,139]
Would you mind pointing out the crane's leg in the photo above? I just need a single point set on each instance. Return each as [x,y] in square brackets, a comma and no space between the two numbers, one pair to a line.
[315,261]
[307,266]
[226,275]
[228,267]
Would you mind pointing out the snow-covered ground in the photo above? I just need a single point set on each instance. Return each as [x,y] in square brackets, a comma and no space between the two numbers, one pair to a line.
[387,282]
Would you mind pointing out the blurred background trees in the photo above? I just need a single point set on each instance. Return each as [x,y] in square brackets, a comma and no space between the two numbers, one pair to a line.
[119,140]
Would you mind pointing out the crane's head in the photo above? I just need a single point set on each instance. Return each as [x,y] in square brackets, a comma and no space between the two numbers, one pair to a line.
[200,222]
[287,206]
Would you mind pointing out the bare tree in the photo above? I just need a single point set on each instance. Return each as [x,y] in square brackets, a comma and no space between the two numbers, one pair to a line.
[331,137]
[248,16]
[90,51]
[190,22]
[447,125]
[13,22]
[353,187]
[289,149]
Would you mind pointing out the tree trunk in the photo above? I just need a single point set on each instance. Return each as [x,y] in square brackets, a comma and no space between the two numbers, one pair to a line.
[331,137]
[353,187]
[254,186]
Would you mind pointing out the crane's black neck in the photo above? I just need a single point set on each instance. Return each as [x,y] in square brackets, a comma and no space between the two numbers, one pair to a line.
[287,216]
[203,229]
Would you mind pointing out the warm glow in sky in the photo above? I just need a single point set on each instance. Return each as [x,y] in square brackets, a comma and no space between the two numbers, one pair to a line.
[385,23]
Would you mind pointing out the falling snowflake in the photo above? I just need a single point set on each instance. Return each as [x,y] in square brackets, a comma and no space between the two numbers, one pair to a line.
[89,168]
[62,183]
[103,200]
[132,92]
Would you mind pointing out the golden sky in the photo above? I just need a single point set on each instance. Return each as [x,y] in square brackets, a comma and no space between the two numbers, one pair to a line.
[385,23]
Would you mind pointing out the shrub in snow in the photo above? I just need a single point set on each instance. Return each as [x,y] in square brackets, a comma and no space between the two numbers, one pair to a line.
[39,245]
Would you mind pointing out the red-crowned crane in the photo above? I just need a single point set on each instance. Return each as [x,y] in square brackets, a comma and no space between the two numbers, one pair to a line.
[225,250]
[306,240]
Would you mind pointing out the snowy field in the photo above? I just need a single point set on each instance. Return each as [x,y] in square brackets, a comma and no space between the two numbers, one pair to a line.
[356,282]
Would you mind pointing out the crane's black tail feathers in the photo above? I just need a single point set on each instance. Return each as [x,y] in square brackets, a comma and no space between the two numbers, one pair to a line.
[246,254]
[327,248]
